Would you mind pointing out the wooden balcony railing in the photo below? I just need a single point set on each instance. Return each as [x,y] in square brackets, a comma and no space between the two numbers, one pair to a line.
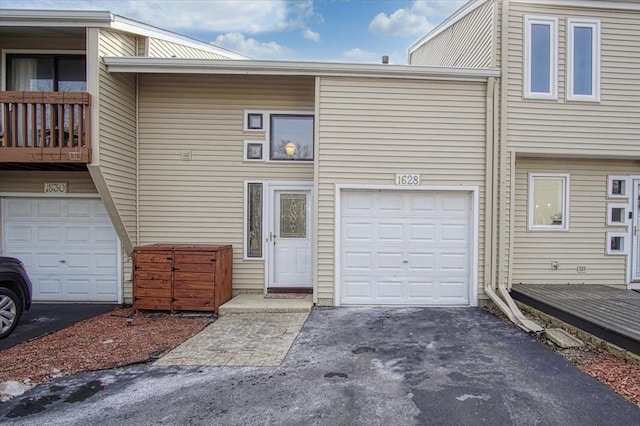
[45,127]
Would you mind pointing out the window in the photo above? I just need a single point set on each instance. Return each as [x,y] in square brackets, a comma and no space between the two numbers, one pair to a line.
[540,57]
[253,150]
[616,214]
[291,137]
[253,220]
[618,187]
[616,243]
[48,73]
[548,202]
[583,60]
[253,121]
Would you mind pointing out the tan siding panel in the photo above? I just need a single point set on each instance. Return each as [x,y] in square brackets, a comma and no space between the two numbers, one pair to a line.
[43,43]
[609,127]
[585,242]
[436,129]
[201,201]
[117,132]
[33,181]
[466,43]
[167,49]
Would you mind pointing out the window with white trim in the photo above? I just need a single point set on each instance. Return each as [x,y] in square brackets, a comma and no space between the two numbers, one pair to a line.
[253,220]
[616,214]
[548,202]
[541,57]
[583,60]
[618,187]
[617,243]
[291,137]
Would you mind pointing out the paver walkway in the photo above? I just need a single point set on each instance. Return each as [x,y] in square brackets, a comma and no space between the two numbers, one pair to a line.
[254,339]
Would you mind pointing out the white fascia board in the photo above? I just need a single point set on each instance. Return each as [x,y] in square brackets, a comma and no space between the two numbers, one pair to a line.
[129,25]
[592,4]
[54,18]
[325,69]
[452,19]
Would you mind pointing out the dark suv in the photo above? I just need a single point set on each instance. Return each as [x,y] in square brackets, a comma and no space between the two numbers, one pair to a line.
[15,293]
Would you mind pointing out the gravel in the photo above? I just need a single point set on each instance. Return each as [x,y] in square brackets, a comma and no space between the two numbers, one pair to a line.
[110,341]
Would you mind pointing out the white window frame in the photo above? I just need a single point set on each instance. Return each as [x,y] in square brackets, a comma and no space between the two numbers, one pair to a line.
[627,186]
[553,60]
[245,150]
[265,123]
[625,215]
[625,245]
[565,202]
[594,24]
[268,135]
[245,217]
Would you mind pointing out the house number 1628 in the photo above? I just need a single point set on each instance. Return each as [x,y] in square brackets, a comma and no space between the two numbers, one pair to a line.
[404,179]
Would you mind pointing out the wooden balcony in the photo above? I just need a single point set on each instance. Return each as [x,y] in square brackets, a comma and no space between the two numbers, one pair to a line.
[45,127]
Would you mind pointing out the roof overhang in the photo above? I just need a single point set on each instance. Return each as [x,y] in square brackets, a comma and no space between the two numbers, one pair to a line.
[101,19]
[286,68]
[590,4]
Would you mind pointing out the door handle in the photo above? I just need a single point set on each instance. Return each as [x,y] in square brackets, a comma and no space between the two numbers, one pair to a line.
[635,230]
[62,261]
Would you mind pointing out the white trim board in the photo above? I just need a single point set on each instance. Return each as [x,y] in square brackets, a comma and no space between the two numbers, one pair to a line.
[475,194]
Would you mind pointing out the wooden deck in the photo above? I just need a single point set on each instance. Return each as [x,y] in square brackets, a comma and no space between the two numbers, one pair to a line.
[609,313]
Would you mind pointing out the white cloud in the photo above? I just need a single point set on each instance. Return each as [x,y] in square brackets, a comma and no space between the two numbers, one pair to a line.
[247,16]
[251,47]
[311,35]
[360,55]
[416,20]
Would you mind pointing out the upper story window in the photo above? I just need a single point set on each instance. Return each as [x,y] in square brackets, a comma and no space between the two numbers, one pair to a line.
[540,57]
[583,59]
[48,73]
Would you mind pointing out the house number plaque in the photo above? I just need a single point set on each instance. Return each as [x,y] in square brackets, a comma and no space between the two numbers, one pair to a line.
[55,187]
[407,180]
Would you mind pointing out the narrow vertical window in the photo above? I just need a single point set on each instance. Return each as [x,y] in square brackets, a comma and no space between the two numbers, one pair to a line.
[253,218]
[548,202]
[583,60]
[540,57]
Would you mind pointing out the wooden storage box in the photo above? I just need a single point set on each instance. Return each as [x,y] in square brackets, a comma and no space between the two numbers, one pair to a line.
[182,277]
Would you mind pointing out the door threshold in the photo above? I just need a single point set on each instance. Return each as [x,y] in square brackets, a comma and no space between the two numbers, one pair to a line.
[304,290]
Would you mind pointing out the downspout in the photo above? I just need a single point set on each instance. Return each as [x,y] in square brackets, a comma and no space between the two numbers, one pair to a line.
[137,159]
[491,153]
[516,315]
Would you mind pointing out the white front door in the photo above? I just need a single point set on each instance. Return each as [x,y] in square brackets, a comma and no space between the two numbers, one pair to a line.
[290,249]
[635,230]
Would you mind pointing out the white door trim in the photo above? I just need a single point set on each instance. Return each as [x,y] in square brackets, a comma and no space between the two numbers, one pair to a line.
[269,190]
[5,195]
[475,192]
[634,258]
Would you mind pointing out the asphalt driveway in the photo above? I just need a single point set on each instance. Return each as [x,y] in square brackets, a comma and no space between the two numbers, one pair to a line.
[46,318]
[348,366]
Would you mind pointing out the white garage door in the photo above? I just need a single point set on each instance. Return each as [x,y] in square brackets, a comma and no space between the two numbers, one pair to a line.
[406,247]
[69,246]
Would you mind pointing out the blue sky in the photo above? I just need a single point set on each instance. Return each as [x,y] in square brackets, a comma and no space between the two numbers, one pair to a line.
[305,30]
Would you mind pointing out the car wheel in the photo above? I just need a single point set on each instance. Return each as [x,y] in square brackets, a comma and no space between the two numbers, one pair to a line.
[10,311]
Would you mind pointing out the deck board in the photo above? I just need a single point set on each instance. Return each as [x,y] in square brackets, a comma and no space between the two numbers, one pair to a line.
[609,313]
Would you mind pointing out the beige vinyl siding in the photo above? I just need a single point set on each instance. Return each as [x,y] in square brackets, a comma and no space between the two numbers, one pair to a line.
[117,129]
[585,242]
[33,181]
[201,200]
[466,43]
[166,49]
[607,128]
[370,129]
[56,43]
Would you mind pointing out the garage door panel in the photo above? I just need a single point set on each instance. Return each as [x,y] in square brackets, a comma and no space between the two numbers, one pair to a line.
[68,245]
[406,247]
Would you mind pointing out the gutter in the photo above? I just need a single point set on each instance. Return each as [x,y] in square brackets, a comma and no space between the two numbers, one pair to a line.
[291,68]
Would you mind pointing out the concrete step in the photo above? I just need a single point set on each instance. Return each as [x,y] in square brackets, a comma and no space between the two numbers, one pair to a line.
[256,303]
